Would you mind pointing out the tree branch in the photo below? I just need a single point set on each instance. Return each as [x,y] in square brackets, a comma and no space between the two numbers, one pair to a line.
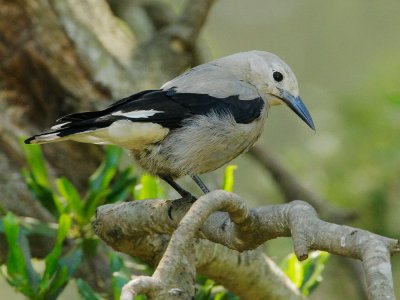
[259,277]
[240,228]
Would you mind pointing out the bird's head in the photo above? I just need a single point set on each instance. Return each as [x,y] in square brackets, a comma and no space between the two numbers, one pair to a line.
[276,82]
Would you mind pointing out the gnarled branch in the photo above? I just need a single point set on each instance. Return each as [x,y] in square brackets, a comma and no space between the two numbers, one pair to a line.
[223,218]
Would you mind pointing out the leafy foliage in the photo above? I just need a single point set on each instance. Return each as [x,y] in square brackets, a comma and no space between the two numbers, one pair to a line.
[148,188]
[306,275]
[74,213]
[208,289]
[19,270]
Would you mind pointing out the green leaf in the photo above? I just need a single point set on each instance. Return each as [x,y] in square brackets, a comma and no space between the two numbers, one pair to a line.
[225,295]
[204,291]
[71,260]
[100,181]
[102,177]
[35,161]
[86,291]
[118,281]
[60,204]
[293,268]
[220,295]
[71,196]
[122,187]
[68,265]
[64,224]
[36,177]
[16,263]
[43,194]
[57,284]
[92,202]
[306,275]
[148,188]
[51,261]
[232,297]
[33,276]
[313,268]
[89,246]
[229,178]
[116,262]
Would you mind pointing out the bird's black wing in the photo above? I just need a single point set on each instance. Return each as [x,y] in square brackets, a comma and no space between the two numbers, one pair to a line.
[170,109]
[243,111]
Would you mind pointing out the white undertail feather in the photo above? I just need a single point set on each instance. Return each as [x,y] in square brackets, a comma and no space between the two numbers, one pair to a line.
[46,138]
[123,133]
[135,135]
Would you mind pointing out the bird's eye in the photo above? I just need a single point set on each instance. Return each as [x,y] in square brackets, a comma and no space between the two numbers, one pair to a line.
[277,76]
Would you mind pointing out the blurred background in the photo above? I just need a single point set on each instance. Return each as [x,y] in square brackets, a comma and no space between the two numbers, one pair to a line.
[346,56]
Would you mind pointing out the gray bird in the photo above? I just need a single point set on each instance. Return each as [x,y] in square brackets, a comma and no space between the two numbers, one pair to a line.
[194,123]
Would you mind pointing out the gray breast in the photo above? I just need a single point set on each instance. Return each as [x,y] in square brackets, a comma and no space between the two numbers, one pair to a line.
[203,144]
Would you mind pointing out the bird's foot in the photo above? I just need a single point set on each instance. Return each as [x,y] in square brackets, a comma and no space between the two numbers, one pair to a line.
[179,203]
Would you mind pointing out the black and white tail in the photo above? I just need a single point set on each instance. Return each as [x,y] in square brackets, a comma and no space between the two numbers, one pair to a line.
[69,126]
[132,122]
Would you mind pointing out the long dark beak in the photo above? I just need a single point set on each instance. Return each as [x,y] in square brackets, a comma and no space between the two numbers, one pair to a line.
[298,107]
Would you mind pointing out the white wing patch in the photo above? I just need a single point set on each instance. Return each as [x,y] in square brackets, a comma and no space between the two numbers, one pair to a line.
[58,126]
[137,113]
[124,133]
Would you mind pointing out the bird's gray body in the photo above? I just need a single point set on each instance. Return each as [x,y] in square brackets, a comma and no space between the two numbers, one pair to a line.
[196,122]
[205,144]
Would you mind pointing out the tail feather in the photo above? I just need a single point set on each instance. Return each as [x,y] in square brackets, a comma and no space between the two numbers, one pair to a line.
[67,132]
[44,138]
[80,128]
[76,117]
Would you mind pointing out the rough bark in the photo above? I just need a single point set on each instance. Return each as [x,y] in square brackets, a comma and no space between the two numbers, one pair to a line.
[223,218]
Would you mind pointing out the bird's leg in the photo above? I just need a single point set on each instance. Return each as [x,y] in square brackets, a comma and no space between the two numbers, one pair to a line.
[200,183]
[186,196]
[184,193]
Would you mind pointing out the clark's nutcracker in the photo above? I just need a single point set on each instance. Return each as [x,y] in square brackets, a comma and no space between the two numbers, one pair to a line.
[194,123]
